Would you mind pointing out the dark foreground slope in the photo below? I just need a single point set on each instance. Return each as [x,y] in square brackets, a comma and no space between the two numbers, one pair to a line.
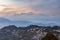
[32,32]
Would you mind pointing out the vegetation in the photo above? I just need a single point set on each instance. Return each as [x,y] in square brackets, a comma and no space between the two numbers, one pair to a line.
[49,36]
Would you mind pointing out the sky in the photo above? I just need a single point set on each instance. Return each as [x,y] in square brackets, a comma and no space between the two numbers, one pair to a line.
[27,12]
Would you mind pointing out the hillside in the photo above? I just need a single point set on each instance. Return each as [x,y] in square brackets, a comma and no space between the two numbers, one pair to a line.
[32,32]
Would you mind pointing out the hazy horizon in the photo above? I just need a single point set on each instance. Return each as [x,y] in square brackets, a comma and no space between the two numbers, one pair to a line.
[29,12]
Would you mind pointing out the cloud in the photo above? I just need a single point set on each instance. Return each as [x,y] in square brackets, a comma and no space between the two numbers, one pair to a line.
[47,7]
[28,19]
[31,11]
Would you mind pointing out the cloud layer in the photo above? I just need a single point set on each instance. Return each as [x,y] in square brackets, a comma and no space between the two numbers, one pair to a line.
[50,7]
[30,11]
[25,20]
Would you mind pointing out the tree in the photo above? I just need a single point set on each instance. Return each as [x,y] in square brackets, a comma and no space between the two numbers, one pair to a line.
[49,36]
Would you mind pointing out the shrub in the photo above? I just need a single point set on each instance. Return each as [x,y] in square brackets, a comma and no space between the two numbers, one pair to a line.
[49,36]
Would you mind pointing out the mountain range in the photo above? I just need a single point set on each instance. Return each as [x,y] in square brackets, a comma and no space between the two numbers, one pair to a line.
[31,32]
[5,22]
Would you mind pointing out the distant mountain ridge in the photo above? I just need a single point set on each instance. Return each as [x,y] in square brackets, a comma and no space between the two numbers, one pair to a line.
[5,22]
[31,32]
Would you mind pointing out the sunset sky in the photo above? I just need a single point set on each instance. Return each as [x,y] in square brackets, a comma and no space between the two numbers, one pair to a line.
[26,12]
